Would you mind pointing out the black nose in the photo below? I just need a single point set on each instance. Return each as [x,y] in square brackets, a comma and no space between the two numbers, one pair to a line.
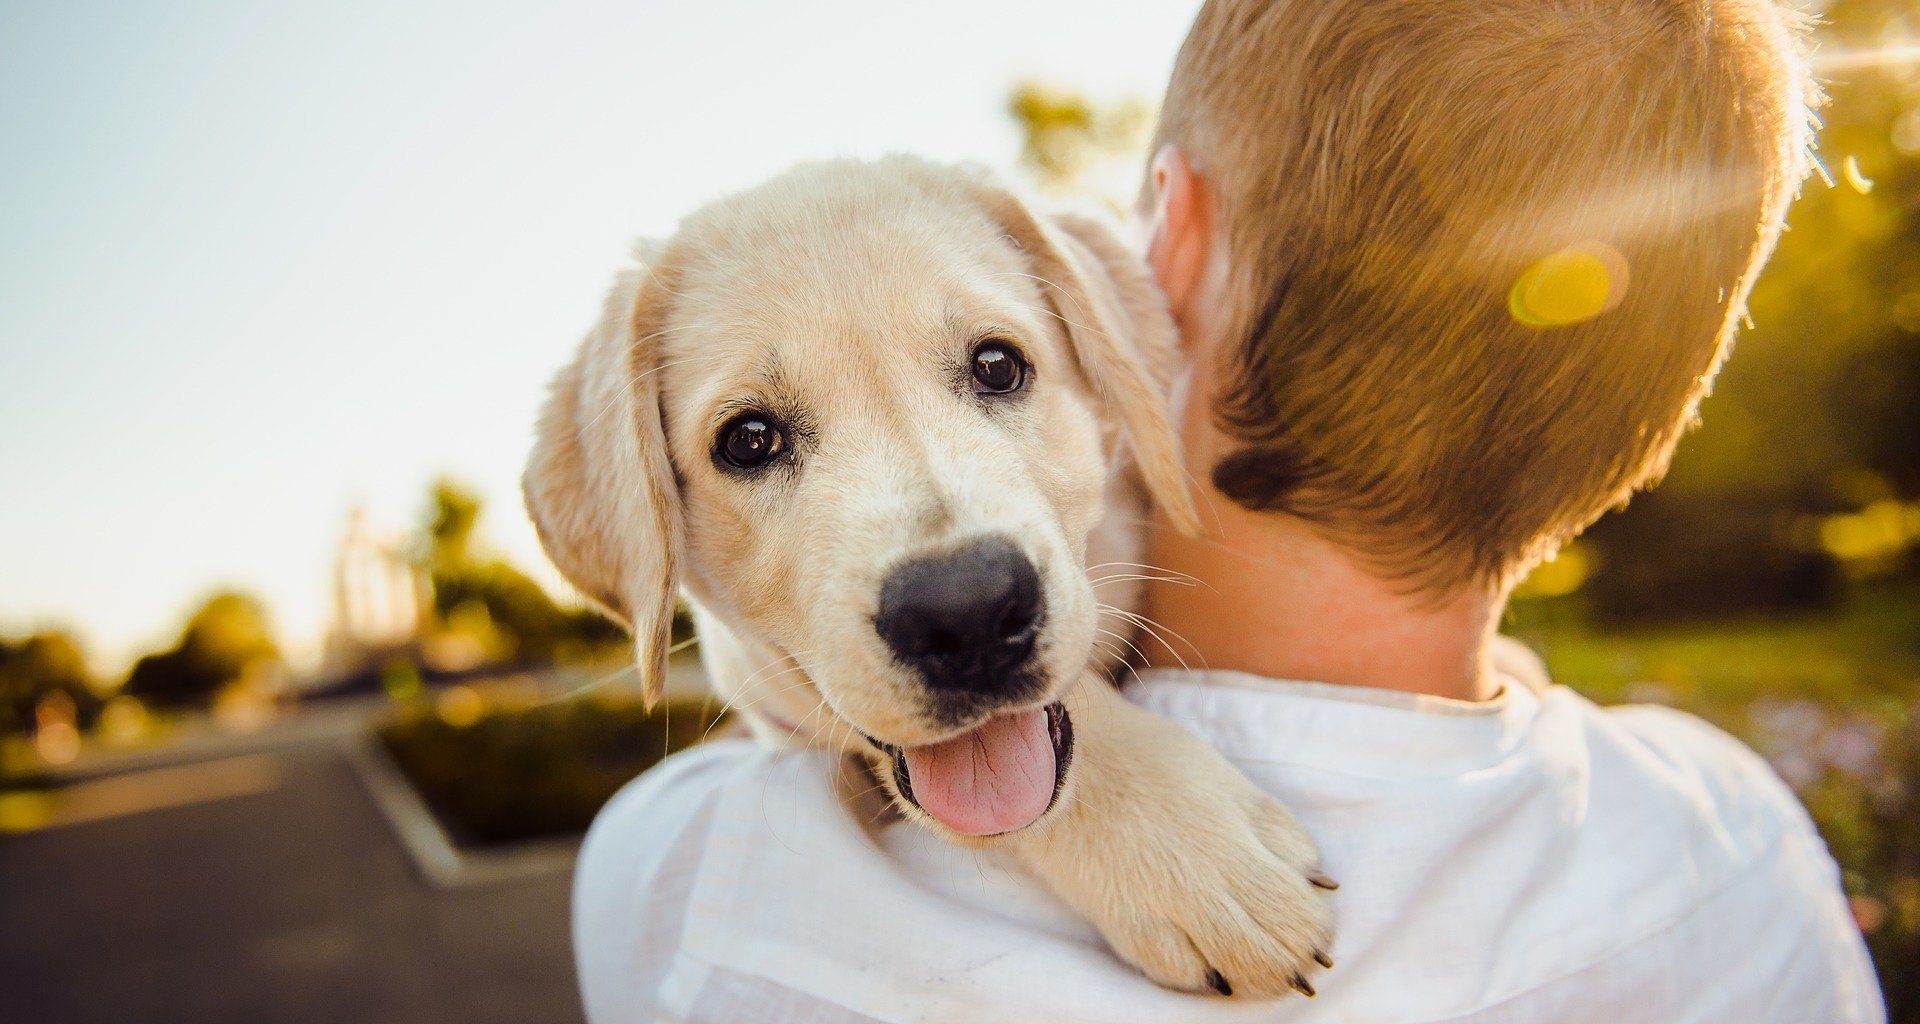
[966,620]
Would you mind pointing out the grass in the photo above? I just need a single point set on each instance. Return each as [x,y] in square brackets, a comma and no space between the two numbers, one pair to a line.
[1864,655]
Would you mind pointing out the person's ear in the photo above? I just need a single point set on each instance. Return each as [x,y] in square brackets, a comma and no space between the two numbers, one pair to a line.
[1181,243]
[598,484]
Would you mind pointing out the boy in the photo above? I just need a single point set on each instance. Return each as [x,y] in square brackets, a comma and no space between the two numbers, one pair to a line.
[1453,276]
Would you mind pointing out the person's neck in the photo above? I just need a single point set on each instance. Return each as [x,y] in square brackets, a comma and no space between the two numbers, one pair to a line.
[1266,594]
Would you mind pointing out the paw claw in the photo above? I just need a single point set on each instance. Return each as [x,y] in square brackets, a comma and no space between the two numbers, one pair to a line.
[1320,957]
[1251,908]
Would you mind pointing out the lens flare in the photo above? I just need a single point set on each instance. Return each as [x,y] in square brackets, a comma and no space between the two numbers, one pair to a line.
[1906,132]
[1855,177]
[1567,287]
[1897,54]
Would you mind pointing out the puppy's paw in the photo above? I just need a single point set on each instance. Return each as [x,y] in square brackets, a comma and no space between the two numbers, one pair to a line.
[1191,873]
[1239,907]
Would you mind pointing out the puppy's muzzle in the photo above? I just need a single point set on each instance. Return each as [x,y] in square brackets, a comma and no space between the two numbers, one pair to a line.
[966,621]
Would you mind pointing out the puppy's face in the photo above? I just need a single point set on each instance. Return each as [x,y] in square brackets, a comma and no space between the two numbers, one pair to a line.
[888,460]
[864,414]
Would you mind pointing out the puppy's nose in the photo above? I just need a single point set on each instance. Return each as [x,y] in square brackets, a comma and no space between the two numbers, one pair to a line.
[967,619]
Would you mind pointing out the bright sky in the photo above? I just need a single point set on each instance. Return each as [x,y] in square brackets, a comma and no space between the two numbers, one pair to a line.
[264,261]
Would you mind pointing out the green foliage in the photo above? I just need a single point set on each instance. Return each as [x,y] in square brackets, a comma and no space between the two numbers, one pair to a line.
[1698,554]
[224,638]
[452,513]
[523,771]
[35,668]
[502,608]
[1069,140]
[1823,389]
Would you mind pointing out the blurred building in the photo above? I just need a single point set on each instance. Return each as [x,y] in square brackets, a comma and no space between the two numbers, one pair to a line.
[379,594]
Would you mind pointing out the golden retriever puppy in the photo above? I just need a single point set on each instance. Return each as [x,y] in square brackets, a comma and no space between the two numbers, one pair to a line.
[887,429]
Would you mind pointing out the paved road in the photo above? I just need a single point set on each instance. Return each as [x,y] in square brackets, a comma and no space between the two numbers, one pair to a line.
[268,889]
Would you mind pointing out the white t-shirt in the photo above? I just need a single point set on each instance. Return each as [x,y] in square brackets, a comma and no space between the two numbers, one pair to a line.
[1530,859]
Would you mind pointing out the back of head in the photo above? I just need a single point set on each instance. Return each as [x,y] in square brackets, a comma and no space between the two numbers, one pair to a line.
[1485,255]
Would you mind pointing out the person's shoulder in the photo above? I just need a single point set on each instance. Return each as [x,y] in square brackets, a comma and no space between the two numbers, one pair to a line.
[635,876]
[669,807]
[1705,862]
[1697,800]
[1705,805]
[1701,765]
[670,796]
[1655,763]
[1660,760]
[649,828]
[1780,901]
[1688,741]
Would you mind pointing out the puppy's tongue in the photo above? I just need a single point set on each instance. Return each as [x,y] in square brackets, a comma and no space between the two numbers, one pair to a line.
[996,778]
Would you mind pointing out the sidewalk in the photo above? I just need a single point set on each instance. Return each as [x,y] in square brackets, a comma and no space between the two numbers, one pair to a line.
[252,879]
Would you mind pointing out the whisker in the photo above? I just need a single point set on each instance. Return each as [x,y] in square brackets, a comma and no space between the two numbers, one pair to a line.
[761,677]
[757,677]
[638,377]
[1056,287]
[1119,577]
[1153,628]
[733,703]
[1143,565]
[561,698]
[1136,651]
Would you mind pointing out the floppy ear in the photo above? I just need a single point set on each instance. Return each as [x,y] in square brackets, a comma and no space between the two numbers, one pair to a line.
[1122,336]
[598,485]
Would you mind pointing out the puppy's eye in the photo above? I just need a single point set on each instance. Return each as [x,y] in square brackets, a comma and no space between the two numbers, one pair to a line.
[998,369]
[751,440]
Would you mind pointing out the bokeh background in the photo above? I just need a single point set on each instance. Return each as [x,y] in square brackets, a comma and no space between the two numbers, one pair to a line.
[295,721]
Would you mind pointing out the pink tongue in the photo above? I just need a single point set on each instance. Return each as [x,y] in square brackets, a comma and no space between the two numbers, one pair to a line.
[996,778]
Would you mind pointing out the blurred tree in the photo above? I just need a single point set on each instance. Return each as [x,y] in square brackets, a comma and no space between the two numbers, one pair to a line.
[1822,396]
[1680,554]
[224,638]
[37,667]
[1818,413]
[453,511]
[1074,146]
[507,616]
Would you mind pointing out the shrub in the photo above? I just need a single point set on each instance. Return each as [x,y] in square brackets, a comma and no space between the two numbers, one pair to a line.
[523,770]
[1693,555]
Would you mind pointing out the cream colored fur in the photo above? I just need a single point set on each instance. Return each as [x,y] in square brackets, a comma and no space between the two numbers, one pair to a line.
[843,297]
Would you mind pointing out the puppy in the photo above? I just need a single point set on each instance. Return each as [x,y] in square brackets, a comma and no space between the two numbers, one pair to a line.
[888,429]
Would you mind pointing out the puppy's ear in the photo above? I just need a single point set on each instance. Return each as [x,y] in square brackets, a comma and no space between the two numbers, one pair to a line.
[1122,336]
[598,485]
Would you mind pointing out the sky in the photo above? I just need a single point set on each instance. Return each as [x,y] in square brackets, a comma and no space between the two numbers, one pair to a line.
[264,262]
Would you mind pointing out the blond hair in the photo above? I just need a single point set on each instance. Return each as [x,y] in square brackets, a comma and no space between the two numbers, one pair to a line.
[1485,255]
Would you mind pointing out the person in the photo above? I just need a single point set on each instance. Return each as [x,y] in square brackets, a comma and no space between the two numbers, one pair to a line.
[1453,276]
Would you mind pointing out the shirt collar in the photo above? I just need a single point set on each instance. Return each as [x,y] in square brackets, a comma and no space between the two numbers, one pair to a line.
[1349,730]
